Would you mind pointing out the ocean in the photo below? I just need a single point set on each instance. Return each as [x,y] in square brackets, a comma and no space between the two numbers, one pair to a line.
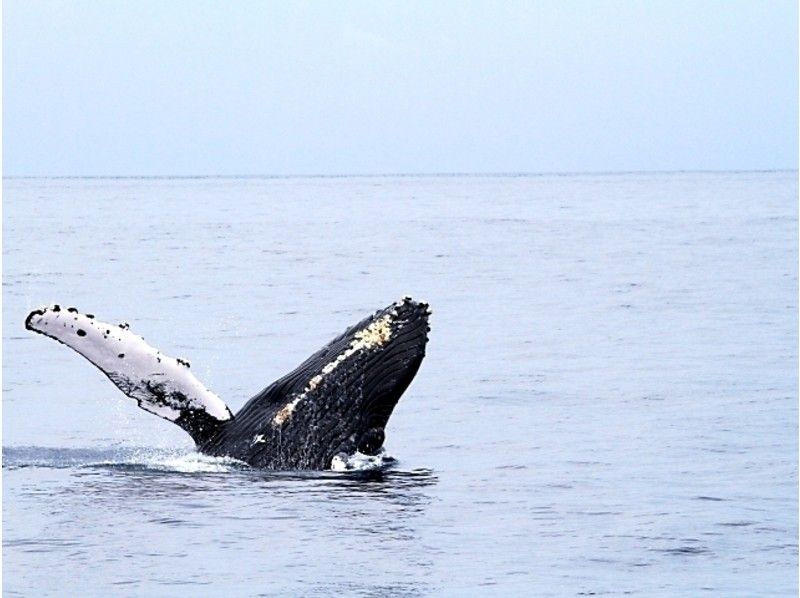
[609,404]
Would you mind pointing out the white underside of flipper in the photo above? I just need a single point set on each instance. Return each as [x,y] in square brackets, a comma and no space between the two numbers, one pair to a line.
[160,384]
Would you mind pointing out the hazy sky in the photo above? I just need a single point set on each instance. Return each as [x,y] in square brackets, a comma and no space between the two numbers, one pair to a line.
[187,87]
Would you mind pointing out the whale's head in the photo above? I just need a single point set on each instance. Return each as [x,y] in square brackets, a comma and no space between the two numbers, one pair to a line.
[339,401]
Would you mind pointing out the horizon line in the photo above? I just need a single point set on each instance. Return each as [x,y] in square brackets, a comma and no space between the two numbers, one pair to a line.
[510,174]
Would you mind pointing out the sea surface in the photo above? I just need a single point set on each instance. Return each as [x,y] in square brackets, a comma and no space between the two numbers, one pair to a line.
[608,406]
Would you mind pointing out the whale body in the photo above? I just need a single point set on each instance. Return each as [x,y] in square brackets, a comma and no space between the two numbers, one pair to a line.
[335,404]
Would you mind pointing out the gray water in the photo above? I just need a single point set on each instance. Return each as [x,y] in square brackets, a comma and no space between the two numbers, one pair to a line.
[608,405]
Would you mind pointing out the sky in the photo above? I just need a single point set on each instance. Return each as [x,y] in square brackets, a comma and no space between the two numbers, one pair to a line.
[292,88]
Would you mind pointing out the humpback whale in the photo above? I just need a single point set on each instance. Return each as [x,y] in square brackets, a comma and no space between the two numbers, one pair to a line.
[332,406]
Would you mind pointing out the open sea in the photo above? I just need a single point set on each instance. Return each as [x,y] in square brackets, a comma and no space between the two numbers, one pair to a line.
[609,405]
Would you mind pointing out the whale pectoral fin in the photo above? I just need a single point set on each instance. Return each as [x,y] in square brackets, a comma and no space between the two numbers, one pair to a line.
[160,384]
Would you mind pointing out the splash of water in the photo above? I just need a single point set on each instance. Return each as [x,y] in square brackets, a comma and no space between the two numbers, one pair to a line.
[184,462]
[360,462]
[156,459]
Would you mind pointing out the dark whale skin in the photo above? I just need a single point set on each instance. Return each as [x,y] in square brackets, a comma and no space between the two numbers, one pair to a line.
[346,411]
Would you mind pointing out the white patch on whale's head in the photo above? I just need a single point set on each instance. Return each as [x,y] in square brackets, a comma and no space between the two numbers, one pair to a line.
[376,334]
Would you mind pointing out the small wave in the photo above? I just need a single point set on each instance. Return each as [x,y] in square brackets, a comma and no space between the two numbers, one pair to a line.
[179,461]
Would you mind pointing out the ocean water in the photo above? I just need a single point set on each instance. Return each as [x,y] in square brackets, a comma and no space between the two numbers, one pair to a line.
[608,405]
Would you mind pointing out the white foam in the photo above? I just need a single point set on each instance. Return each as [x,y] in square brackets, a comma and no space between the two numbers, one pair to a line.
[360,462]
[176,461]
[198,463]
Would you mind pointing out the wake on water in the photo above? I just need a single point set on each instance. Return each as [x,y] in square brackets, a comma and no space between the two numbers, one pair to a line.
[160,460]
